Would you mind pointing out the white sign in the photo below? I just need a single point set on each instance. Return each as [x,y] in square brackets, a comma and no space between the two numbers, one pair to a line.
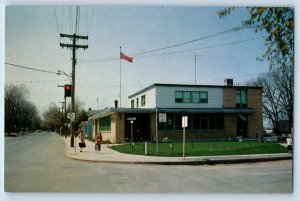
[71,115]
[184,121]
[131,118]
[162,117]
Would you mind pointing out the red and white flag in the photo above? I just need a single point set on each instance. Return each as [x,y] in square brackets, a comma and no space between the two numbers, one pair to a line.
[127,58]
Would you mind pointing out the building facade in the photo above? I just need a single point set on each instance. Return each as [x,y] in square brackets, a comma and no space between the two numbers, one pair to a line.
[214,113]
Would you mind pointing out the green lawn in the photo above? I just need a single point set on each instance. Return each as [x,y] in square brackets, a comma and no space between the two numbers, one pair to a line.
[203,148]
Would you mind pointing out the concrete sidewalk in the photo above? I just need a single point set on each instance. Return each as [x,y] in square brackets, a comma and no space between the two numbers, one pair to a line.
[108,155]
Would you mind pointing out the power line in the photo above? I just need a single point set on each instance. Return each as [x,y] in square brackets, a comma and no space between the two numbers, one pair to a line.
[34,69]
[177,52]
[184,43]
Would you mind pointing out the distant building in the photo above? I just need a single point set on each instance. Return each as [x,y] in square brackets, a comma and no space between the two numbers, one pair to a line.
[214,113]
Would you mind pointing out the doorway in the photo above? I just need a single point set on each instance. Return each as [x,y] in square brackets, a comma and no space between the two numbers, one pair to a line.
[140,127]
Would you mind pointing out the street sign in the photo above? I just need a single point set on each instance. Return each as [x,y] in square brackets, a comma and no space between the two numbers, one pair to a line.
[71,115]
[162,117]
[131,118]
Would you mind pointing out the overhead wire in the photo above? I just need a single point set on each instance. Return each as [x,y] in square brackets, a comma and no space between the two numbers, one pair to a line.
[136,55]
[31,68]
[176,52]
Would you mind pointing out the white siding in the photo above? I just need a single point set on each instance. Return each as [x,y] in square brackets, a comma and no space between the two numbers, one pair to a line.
[150,99]
[166,97]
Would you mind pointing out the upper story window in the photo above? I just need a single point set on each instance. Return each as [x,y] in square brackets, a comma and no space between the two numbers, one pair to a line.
[132,103]
[241,98]
[191,97]
[143,100]
[137,102]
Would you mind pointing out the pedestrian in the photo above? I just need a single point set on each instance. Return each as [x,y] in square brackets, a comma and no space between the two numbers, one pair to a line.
[289,142]
[21,133]
[98,142]
[81,142]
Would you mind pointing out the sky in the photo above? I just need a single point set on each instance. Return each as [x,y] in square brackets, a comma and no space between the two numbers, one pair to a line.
[32,40]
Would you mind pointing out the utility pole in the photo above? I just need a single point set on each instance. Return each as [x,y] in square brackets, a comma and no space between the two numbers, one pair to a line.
[73,47]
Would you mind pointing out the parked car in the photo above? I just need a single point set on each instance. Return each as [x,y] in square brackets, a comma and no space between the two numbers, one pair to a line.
[282,137]
[270,138]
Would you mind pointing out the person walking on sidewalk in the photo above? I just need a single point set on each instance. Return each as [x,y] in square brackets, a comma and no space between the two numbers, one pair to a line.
[81,142]
[98,142]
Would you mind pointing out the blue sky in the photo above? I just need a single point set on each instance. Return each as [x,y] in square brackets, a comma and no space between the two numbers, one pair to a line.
[32,39]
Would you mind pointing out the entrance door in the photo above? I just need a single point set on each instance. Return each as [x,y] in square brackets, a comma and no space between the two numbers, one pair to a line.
[241,125]
[141,127]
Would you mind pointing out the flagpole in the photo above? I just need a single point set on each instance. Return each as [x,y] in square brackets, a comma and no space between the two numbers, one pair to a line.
[120,78]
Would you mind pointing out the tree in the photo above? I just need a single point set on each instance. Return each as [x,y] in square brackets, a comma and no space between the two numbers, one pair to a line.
[277,95]
[19,111]
[81,114]
[53,118]
[278,22]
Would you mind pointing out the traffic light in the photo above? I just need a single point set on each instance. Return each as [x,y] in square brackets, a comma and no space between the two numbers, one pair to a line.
[68,90]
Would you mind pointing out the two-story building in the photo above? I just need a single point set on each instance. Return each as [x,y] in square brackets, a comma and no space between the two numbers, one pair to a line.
[214,113]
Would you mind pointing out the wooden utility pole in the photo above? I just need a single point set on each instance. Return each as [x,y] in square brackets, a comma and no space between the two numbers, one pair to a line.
[73,47]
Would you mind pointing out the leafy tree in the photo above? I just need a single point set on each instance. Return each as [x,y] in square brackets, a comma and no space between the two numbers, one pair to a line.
[278,22]
[81,114]
[53,118]
[278,85]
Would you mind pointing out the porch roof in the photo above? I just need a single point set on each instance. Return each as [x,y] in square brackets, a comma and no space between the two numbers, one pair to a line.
[108,111]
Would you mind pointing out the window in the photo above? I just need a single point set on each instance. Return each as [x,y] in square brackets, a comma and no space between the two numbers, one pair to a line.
[105,124]
[143,99]
[195,97]
[191,97]
[178,97]
[203,97]
[132,103]
[186,97]
[137,102]
[241,98]
[196,122]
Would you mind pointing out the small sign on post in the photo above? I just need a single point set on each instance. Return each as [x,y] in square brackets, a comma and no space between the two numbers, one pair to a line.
[131,119]
[184,125]
[162,117]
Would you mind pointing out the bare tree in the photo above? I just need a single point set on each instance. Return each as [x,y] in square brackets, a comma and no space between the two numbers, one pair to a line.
[19,111]
[278,87]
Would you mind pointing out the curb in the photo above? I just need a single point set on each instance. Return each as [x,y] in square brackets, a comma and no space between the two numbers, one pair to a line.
[190,162]
[207,160]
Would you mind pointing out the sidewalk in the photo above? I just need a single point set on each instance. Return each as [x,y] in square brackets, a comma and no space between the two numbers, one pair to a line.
[108,155]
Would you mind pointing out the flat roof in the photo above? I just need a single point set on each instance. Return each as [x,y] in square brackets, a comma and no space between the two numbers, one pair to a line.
[190,85]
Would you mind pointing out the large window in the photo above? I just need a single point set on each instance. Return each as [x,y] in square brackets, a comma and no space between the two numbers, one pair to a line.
[191,97]
[105,124]
[197,121]
[241,98]
[132,103]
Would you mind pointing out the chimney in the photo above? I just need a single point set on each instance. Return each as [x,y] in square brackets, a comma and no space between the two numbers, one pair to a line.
[228,82]
[116,103]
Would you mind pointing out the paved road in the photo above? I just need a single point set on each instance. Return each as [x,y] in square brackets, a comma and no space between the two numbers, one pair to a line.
[37,164]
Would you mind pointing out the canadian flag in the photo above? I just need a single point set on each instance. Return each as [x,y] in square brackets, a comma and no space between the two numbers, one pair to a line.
[127,58]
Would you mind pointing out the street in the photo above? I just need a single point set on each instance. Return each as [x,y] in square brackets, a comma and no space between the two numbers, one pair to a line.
[37,164]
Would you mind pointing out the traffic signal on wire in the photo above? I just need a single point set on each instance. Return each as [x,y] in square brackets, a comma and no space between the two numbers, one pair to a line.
[68,90]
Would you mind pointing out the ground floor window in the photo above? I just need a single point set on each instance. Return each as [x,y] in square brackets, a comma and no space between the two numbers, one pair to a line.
[105,124]
[197,121]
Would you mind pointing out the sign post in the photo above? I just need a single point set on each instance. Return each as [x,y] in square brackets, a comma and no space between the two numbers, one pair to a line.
[184,125]
[131,119]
